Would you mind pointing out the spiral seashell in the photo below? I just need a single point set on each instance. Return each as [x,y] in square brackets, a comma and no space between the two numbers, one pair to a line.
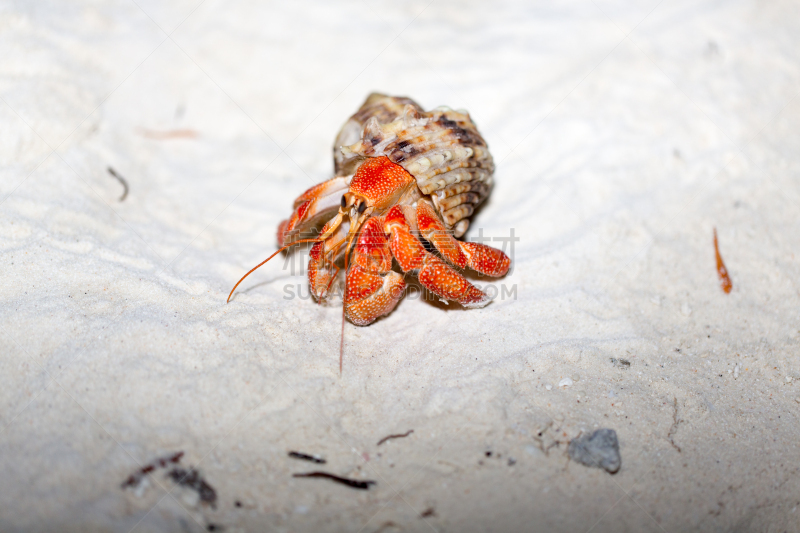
[441,148]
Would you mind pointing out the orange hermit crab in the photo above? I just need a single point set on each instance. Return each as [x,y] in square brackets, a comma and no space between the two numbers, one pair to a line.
[404,178]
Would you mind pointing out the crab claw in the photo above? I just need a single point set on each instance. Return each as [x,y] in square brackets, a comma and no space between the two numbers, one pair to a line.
[322,270]
[477,256]
[373,289]
[434,274]
[318,203]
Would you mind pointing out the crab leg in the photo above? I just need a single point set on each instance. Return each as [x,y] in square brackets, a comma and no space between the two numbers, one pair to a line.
[310,208]
[477,256]
[434,274]
[322,270]
[373,289]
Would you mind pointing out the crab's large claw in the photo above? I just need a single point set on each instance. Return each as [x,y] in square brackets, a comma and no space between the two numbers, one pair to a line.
[434,274]
[477,256]
[373,289]
[318,203]
[322,269]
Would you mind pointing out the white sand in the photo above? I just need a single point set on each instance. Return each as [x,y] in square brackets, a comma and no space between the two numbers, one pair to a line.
[118,347]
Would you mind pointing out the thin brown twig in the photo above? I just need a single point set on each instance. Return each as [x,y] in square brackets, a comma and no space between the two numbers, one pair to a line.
[397,436]
[122,181]
[674,428]
[353,483]
[162,462]
[307,457]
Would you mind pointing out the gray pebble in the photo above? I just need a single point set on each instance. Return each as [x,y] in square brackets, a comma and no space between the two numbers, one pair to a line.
[599,449]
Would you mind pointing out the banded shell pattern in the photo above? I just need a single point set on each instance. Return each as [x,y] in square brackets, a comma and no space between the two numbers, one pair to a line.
[441,148]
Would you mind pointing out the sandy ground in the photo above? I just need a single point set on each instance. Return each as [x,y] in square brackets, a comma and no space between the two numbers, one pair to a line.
[623,134]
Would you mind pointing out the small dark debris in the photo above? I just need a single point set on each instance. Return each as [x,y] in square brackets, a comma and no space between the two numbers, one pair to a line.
[675,422]
[214,527]
[306,457]
[621,363]
[122,181]
[192,479]
[488,454]
[237,503]
[136,478]
[353,483]
[511,461]
[599,449]
[398,436]
[427,513]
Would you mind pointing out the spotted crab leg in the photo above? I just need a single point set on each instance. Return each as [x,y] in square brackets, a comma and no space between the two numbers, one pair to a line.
[322,269]
[317,204]
[433,273]
[477,256]
[373,289]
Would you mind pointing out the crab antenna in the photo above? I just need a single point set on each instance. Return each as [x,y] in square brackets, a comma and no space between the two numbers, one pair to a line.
[341,338]
[344,302]
[264,261]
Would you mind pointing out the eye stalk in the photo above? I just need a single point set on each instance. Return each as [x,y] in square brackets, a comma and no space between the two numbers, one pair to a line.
[351,201]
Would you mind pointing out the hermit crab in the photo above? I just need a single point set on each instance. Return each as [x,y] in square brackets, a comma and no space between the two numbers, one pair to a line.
[406,182]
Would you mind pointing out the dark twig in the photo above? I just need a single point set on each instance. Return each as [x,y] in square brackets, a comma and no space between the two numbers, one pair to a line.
[674,428]
[398,436]
[353,483]
[306,457]
[136,478]
[122,181]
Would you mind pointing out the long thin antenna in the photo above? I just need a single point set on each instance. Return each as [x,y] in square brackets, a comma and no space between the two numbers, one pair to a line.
[264,261]
[341,340]
[344,302]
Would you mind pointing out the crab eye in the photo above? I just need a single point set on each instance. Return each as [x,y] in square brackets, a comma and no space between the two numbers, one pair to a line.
[362,207]
[344,201]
